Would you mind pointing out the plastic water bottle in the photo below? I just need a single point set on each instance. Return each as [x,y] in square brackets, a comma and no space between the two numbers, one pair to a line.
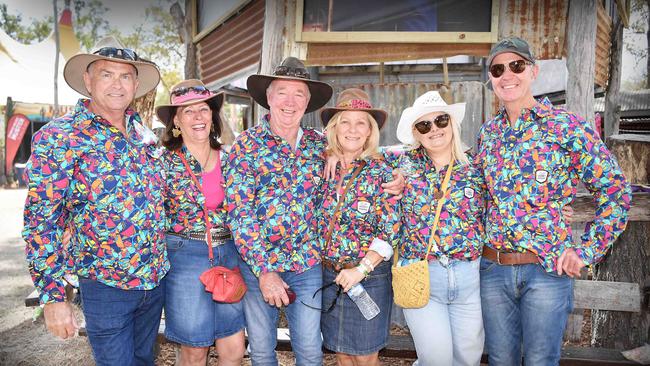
[364,302]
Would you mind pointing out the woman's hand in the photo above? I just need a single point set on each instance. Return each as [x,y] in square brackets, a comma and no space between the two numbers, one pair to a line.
[348,278]
[567,213]
[395,186]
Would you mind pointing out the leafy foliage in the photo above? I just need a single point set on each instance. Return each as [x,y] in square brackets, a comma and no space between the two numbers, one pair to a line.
[37,31]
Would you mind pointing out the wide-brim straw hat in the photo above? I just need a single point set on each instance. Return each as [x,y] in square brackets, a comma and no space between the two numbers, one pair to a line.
[353,99]
[110,49]
[290,69]
[426,103]
[188,92]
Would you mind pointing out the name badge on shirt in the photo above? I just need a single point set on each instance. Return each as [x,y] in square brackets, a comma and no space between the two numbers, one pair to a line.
[363,206]
[541,176]
[469,192]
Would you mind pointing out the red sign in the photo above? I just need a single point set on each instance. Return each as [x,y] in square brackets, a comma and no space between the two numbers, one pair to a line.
[16,128]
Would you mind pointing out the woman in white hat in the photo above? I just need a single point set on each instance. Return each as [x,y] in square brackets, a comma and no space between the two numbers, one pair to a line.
[358,223]
[194,168]
[449,329]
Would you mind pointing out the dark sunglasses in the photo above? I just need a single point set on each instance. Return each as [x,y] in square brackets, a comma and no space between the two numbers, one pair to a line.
[121,53]
[196,89]
[339,290]
[517,67]
[441,121]
[292,72]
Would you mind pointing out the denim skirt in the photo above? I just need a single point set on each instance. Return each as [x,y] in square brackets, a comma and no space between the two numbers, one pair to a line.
[192,318]
[344,329]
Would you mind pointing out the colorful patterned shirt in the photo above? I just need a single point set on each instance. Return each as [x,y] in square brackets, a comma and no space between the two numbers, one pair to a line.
[532,171]
[367,212]
[85,174]
[272,195]
[184,201]
[460,233]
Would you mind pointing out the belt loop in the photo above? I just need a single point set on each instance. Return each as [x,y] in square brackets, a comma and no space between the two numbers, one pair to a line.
[498,257]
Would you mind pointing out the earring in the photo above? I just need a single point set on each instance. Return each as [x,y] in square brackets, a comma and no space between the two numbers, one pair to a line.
[176,131]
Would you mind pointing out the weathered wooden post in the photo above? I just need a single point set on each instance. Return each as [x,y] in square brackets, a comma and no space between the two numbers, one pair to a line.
[629,259]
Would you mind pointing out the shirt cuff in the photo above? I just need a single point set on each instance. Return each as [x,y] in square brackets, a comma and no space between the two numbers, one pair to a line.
[382,248]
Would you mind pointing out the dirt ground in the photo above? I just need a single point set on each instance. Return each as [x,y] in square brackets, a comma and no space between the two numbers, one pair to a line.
[27,343]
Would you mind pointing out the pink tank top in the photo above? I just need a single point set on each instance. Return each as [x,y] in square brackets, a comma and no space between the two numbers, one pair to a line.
[212,186]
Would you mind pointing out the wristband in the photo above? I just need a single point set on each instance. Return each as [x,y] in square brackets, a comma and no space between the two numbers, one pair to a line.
[365,261]
[361,268]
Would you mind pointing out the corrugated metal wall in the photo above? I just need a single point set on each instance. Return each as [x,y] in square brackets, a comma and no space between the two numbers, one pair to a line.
[541,23]
[394,98]
[234,45]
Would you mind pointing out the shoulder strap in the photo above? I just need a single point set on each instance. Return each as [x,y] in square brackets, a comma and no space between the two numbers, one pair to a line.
[328,236]
[434,228]
[208,226]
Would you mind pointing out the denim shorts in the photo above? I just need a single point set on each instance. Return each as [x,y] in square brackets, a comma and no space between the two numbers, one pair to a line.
[192,318]
[344,329]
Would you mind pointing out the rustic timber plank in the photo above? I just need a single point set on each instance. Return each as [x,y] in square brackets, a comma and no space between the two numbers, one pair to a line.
[32,299]
[584,208]
[607,295]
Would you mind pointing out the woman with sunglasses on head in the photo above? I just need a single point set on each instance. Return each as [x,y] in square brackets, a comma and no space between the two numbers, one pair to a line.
[533,155]
[443,192]
[194,168]
[358,223]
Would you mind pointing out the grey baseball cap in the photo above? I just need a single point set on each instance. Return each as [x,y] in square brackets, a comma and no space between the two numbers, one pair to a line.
[514,45]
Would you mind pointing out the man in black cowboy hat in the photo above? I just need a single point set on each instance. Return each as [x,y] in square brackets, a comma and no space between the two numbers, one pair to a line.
[95,170]
[271,187]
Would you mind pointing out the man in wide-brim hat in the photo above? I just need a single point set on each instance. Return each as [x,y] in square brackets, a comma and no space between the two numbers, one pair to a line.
[95,171]
[271,188]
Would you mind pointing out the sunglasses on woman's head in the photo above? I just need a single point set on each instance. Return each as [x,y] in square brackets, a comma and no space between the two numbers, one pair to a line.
[441,121]
[196,89]
[516,67]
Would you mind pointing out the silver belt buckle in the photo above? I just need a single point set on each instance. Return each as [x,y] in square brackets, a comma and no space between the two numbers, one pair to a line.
[444,260]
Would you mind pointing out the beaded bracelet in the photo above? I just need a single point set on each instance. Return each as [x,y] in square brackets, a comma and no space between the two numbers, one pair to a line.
[361,268]
[368,263]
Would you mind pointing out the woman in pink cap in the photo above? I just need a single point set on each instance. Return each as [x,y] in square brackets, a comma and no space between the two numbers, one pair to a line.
[194,166]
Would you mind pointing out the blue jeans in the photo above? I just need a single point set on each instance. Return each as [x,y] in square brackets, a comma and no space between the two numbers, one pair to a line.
[192,318]
[523,305]
[304,322]
[344,329]
[122,325]
[449,329]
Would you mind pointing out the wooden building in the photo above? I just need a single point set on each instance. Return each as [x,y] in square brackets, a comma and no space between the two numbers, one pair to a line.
[394,51]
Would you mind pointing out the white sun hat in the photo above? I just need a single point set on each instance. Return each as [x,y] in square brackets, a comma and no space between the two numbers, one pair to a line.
[426,103]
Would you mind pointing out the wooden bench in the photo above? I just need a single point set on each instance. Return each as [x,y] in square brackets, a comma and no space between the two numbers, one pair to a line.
[595,295]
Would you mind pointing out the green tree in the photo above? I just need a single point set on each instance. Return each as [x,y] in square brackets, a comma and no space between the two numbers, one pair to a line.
[13,25]
[89,22]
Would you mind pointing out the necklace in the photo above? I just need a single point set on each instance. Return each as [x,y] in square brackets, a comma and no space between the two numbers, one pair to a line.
[205,164]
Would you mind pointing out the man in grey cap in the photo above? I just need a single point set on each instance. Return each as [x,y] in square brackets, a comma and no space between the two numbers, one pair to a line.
[533,155]
[96,171]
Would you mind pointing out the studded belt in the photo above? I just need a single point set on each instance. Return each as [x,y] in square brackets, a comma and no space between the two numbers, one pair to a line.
[220,235]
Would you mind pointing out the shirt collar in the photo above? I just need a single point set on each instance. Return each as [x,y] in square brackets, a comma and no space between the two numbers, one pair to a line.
[135,130]
[266,128]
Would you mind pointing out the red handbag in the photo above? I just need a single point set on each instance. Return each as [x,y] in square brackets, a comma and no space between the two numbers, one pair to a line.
[226,285]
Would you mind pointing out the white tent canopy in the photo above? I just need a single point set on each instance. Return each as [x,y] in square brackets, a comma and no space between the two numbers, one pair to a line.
[27,72]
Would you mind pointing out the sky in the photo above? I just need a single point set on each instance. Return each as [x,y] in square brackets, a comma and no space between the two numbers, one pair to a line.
[125,14]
